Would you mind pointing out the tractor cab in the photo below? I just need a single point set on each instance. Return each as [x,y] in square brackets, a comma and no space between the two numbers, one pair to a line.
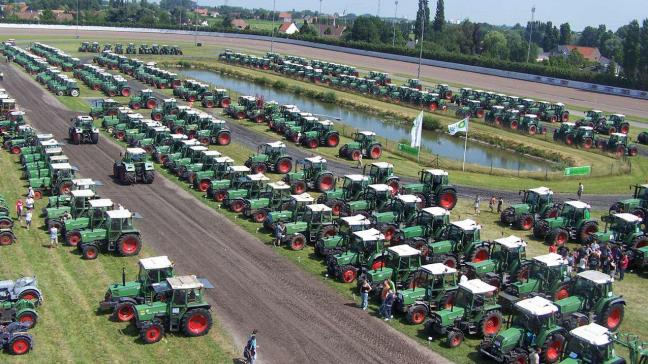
[461,242]
[402,211]
[430,225]
[345,227]
[88,215]
[7,106]
[507,262]
[383,172]
[291,212]
[399,265]
[594,115]
[364,250]
[83,122]
[80,201]
[624,229]
[574,221]
[590,343]
[434,189]
[61,172]
[536,202]
[135,155]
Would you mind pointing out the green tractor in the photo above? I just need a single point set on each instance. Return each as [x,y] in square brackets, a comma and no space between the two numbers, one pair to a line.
[637,205]
[537,203]
[462,243]
[250,186]
[83,131]
[470,109]
[213,168]
[592,118]
[270,156]
[437,287]
[121,299]
[245,104]
[430,225]
[474,311]
[364,144]
[183,309]
[57,180]
[320,132]
[115,233]
[337,244]
[399,265]
[219,97]
[619,144]
[554,112]
[105,107]
[291,212]
[433,188]
[77,201]
[168,107]
[383,173]
[365,250]
[638,349]
[275,196]
[22,311]
[591,343]
[591,298]
[547,277]
[624,229]
[133,167]
[572,223]
[316,223]
[613,124]
[569,134]
[313,176]
[144,99]
[234,177]
[88,216]
[534,325]
[530,124]
[374,198]
[507,263]
[495,115]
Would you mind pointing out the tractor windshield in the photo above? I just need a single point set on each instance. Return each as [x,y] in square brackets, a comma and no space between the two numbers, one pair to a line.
[138,157]
[588,353]
[462,298]
[454,233]
[642,193]
[532,198]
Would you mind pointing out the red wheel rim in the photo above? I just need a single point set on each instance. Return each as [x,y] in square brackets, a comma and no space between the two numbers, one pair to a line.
[91,253]
[27,318]
[203,186]
[129,246]
[259,119]
[447,200]
[553,351]
[569,140]
[389,233]
[562,293]
[284,166]
[625,129]
[498,120]
[527,223]
[224,139]
[480,113]
[312,144]
[240,115]
[348,276]
[480,256]
[514,124]
[20,346]
[125,313]
[297,243]
[225,103]
[333,140]
[300,188]
[587,143]
[377,264]
[15,150]
[335,209]
[326,183]
[29,296]
[120,135]
[261,168]
[614,319]
[5,240]
[125,92]
[151,104]
[180,130]
[198,324]
[611,131]
[219,196]
[237,206]
[561,238]
[157,117]
[259,217]
[633,152]
[355,155]
[455,341]
[192,98]
[204,141]
[153,333]
[418,318]
[209,104]
[433,106]
[136,106]
[393,187]
[376,152]
[492,326]
[533,129]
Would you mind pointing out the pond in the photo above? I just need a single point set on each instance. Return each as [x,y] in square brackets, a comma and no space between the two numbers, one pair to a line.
[444,145]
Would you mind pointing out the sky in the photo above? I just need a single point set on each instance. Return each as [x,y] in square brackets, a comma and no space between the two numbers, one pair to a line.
[579,13]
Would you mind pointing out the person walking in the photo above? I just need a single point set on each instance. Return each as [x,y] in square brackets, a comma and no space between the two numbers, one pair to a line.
[359,164]
[28,219]
[30,192]
[53,237]
[19,209]
[581,188]
[29,203]
[386,308]
[500,202]
[365,288]
[279,230]
[534,356]
[250,351]
[477,201]
[623,265]
[491,204]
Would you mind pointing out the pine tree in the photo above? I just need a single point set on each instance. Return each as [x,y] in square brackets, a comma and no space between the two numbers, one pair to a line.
[439,18]
[422,13]
[631,50]
[565,34]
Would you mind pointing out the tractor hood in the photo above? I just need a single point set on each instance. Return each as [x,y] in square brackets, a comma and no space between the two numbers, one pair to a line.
[131,289]
[555,222]
[508,339]
[569,305]
[279,215]
[481,268]
[148,312]
[296,227]
[257,203]
[293,176]
[523,288]
[379,274]
[410,296]
[385,217]
[345,258]
[441,247]
[520,208]
[604,236]
[412,232]
[259,158]
[447,317]
[413,187]
[358,205]
[54,212]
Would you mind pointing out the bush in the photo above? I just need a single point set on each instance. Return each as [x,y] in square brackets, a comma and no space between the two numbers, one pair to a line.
[280,85]
[431,123]
[328,97]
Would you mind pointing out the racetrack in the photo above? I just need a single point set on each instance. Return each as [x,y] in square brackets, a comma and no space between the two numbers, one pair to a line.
[585,99]
[299,318]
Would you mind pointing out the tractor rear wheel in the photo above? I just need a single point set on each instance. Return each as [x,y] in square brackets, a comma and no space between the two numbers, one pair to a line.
[327,231]
[447,260]
[73,238]
[640,242]
[332,140]
[297,242]
[356,154]
[533,130]
[94,138]
[224,138]
[552,348]
[620,151]
[237,206]
[613,316]
[152,332]
[446,199]
[259,168]
[260,216]
[416,314]
[588,143]
[196,322]
[6,238]
[129,245]
[557,236]
[633,151]
[219,196]
[346,274]
[561,293]
[524,222]
[491,323]
[336,206]
[540,229]
[283,165]
[588,228]
[298,187]
[27,318]
[90,252]
[375,151]
[454,339]
[149,176]
[19,345]
[514,124]
[124,312]
[76,138]
[135,106]
[480,254]
[325,182]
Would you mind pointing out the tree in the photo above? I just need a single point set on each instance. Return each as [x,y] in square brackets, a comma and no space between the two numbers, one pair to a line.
[439,17]
[517,47]
[422,15]
[47,16]
[575,58]
[643,46]
[495,45]
[364,30]
[306,29]
[565,34]
[551,35]
[589,37]
[631,50]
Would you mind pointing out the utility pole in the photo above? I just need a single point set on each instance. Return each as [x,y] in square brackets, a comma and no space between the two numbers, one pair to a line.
[531,32]
[319,22]
[378,12]
[196,27]
[394,23]
[274,4]
[421,40]
[77,20]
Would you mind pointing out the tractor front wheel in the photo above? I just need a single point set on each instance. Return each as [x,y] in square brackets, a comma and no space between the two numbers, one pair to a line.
[73,238]
[558,237]
[325,182]
[19,345]
[455,338]
[298,187]
[375,151]
[540,229]
[94,138]
[90,252]
[332,140]
[152,333]
[588,228]
[283,166]
[124,312]
[327,231]
[613,316]
[416,314]
[524,222]
[447,199]
[196,322]
[492,323]
[6,238]
[553,348]
[297,242]
[129,245]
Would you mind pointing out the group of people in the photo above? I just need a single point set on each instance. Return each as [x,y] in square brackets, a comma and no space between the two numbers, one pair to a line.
[492,203]
[25,210]
[388,293]
[607,258]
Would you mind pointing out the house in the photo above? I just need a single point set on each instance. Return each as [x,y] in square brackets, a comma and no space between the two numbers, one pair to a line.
[333,31]
[202,11]
[28,15]
[288,28]
[238,23]
[285,17]
[591,54]
[214,14]
[62,16]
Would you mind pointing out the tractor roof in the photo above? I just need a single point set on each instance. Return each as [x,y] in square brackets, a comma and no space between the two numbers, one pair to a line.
[101,202]
[356,177]
[409,198]
[536,306]
[356,220]
[477,286]
[160,128]
[110,101]
[198,148]
[119,214]
[279,185]
[593,333]
[239,169]
[316,159]
[403,250]
[369,235]
[16,113]
[311,118]
[542,191]
[217,121]
[497,107]
[82,193]
[436,211]
[367,133]
[135,115]
[511,242]
[619,115]
[135,151]
[583,127]
[210,153]
[319,208]
[258,177]
[220,90]
[382,165]
[568,123]
[595,276]
[559,104]
[438,269]
[531,100]
[578,204]
[380,187]
[24,127]
[597,111]
[61,166]
[84,118]
[249,98]
[184,282]
[47,141]
[304,197]
[621,135]
[147,90]
[543,102]
[437,172]
[467,224]
[83,182]
[59,158]
[160,262]
[326,122]
[8,101]
[178,136]
[170,100]
[276,144]
[531,116]
[190,142]
[55,150]
[628,217]
[550,260]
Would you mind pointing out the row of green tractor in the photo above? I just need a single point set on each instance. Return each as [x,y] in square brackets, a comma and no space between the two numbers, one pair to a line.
[19,300]
[55,57]
[118,48]
[7,236]
[99,80]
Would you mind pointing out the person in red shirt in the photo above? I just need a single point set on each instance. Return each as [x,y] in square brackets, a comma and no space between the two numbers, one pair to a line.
[553,248]
[19,208]
[623,265]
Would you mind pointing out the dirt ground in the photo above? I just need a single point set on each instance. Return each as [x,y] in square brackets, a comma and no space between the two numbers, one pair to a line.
[590,100]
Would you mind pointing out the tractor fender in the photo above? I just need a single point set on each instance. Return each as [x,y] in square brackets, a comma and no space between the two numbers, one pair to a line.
[30,288]
[618,300]
[130,300]
[31,310]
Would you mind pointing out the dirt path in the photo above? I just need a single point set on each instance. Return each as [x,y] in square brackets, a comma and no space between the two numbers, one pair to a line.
[299,318]
[589,100]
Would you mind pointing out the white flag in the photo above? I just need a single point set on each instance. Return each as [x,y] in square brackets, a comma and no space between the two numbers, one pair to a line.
[458,126]
[417,129]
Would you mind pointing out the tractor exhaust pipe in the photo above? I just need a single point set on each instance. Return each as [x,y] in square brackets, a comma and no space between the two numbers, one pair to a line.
[123,276]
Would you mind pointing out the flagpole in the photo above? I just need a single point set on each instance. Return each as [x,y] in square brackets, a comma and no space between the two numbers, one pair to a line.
[463,165]
[418,156]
